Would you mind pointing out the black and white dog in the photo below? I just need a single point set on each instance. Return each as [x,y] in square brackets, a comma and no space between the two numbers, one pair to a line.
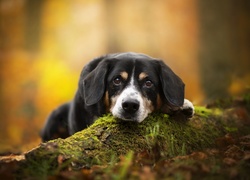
[129,85]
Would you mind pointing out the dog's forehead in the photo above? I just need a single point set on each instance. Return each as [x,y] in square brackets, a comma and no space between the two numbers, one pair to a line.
[133,65]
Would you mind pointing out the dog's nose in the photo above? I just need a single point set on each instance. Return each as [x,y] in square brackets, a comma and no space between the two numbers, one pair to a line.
[131,106]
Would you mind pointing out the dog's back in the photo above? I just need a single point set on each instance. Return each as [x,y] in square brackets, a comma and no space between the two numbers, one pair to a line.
[57,124]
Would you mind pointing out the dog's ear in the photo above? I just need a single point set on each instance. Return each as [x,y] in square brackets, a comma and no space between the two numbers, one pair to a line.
[172,85]
[92,81]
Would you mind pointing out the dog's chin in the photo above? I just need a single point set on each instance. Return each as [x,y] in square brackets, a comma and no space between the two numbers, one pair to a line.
[127,118]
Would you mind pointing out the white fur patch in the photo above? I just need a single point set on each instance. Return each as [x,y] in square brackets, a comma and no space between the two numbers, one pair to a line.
[131,92]
[188,105]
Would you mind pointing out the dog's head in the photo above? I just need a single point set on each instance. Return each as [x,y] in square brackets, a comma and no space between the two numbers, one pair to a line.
[131,85]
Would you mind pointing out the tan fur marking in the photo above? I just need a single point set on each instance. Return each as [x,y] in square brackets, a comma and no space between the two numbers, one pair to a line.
[124,75]
[158,101]
[106,101]
[142,75]
[148,104]
[113,102]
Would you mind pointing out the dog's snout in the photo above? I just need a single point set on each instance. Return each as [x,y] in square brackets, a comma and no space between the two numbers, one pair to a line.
[131,106]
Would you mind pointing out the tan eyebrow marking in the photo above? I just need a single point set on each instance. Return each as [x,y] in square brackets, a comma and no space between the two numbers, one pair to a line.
[142,75]
[124,75]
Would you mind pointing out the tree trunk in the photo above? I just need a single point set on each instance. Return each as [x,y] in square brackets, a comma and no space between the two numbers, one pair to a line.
[109,138]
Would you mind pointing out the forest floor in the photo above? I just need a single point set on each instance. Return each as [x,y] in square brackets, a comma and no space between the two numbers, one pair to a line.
[229,158]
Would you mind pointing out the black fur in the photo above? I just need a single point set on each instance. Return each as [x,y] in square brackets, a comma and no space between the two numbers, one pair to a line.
[88,103]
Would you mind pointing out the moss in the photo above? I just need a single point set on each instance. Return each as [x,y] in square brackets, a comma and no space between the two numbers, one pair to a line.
[108,138]
[247,100]
[202,111]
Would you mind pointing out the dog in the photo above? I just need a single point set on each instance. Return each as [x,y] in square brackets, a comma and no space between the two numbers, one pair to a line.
[128,85]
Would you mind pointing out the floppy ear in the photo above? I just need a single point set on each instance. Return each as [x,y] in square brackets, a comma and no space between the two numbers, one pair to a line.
[92,86]
[172,85]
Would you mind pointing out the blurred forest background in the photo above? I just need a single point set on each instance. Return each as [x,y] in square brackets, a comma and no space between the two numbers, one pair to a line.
[45,43]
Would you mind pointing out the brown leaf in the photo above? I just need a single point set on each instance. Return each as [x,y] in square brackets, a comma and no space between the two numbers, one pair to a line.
[229,161]
[225,141]
[199,155]
[147,173]
[60,159]
[234,152]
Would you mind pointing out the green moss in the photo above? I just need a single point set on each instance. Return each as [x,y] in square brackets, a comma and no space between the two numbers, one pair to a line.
[108,138]
[202,111]
[247,100]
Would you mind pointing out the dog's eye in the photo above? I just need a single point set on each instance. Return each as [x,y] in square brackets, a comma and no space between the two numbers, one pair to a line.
[148,84]
[117,81]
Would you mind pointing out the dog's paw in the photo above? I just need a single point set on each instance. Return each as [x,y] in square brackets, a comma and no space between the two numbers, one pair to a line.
[188,108]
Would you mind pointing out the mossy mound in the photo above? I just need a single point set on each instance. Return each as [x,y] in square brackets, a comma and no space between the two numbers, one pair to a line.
[109,138]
